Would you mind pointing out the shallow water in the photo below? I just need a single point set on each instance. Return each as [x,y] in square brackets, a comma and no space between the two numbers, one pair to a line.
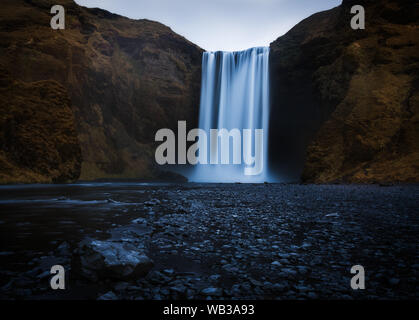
[237,231]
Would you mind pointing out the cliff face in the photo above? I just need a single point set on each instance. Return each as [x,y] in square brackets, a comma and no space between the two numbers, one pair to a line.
[38,141]
[349,96]
[125,78]
[85,102]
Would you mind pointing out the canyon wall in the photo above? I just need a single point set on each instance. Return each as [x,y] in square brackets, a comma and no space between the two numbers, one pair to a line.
[345,102]
[124,78]
[38,141]
[85,102]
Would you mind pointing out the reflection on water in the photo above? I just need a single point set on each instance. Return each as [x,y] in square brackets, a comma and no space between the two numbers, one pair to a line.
[35,218]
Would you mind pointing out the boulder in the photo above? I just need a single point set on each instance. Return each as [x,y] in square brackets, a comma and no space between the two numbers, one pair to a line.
[112,259]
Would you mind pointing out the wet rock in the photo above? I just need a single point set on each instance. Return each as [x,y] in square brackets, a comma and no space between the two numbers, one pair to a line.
[108,296]
[212,292]
[156,277]
[214,277]
[332,215]
[44,275]
[256,282]
[286,272]
[303,270]
[139,221]
[112,259]
[306,245]
[63,249]
[312,295]
[394,281]
[281,286]
[169,272]
[179,289]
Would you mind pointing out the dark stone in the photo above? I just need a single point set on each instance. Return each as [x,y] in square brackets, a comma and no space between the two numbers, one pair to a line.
[118,260]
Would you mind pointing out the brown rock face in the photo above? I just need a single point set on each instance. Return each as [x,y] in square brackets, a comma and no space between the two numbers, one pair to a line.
[125,78]
[344,102]
[38,140]
[351,96]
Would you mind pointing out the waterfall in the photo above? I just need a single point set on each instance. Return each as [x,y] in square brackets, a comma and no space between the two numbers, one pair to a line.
[235,95]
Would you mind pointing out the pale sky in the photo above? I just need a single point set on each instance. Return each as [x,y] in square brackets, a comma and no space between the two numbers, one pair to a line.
[228,25]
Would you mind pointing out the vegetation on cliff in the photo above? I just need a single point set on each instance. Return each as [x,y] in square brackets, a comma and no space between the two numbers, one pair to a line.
[351,96]
[125,78]
[38,140]
[85,102]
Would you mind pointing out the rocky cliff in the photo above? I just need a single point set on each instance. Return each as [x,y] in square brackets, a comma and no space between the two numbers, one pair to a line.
[38,141]
[85,102]
[346,102]
[125,79]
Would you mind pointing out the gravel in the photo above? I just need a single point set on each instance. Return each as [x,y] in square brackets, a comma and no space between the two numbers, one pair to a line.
[234,241]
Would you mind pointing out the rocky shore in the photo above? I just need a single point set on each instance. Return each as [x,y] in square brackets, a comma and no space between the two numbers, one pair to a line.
[214,241]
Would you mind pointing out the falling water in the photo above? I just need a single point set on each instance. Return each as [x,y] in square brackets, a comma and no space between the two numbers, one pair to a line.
[234,94]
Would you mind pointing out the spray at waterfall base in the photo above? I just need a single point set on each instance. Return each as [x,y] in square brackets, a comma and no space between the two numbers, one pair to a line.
[220,152]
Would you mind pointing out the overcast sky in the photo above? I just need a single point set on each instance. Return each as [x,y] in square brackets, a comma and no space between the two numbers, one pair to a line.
[229,25]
